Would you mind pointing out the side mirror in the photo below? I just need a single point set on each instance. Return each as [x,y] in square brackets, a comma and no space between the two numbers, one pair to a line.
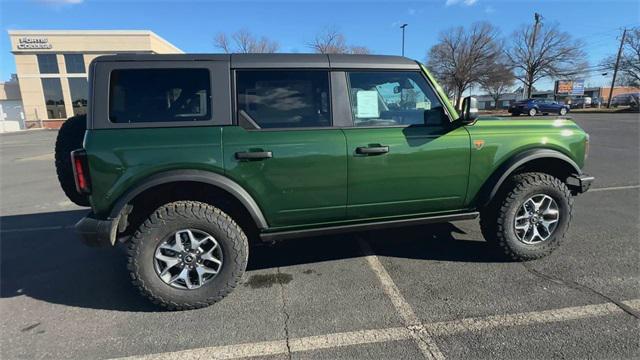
[469,110]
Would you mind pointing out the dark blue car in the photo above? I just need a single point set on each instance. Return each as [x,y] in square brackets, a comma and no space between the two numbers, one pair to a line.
[533,107]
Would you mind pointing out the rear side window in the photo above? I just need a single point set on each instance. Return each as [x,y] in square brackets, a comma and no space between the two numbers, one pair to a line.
[159,95]
[284,98]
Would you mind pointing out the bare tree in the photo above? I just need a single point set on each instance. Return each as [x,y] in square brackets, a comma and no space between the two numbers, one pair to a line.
[245,42]
[629,67]
[462,57]
[498,82]
[552,53]
[332,41]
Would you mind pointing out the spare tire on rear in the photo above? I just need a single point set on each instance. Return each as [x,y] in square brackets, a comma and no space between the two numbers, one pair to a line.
[70,138]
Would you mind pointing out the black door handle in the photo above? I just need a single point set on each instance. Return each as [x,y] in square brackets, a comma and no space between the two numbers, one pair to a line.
[254,155]
[372,150]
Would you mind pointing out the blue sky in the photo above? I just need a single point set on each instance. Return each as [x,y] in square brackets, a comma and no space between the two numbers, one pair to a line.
[191,25]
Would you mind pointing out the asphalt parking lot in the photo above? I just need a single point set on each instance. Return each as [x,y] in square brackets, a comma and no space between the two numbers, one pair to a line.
[436,292]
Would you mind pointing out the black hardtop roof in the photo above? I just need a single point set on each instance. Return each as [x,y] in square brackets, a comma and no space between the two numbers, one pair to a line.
[248,61]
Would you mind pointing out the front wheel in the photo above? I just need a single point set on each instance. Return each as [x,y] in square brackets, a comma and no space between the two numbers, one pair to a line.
[563,111]
[187,255]
[531,220]
[533,112]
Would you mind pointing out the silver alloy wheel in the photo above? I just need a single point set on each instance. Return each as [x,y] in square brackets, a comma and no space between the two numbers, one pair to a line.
[536,219]
[563,111]
[533,112]
[188,259]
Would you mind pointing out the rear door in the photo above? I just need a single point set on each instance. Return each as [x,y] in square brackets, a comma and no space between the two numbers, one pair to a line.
[285,151]
[405,157]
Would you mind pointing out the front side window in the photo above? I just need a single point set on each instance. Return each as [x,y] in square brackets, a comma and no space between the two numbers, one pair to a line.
[74,63]
[394,98]
[53,99]
[47,63]
[79,95]
[284,98]
[159,95]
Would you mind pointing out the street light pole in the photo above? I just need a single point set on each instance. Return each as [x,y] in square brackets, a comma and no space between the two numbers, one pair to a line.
[402,27]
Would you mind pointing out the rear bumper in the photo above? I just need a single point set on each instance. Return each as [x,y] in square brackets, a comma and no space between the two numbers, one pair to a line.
[580,183]
[95,232]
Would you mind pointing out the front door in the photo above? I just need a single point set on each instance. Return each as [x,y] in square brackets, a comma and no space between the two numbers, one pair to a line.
[286,153]
[405,157]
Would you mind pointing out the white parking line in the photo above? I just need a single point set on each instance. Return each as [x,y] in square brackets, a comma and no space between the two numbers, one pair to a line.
[614,188]
[361,337]
[425,342]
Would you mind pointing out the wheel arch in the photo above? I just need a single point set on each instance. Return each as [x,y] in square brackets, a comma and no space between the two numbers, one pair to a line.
[548,161]
[211,183]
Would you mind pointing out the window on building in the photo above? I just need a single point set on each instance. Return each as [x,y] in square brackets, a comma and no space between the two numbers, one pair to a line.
[79,95]
[48,63]
[53,98]
[159,95]
[74,63]
[285,98]
[393,98]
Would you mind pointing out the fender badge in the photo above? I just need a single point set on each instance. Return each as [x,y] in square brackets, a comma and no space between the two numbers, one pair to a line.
[479,144]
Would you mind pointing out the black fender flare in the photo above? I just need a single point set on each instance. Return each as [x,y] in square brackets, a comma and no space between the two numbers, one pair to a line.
[200,176]
[502,173]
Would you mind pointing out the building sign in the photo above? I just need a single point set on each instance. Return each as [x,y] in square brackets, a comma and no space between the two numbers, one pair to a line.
[570,87]
[28,43]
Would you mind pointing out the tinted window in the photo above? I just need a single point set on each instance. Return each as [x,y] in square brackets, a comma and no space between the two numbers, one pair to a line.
[74,63]
[391,98]
[53,98]
[47,63]
[79,95]
[285,99]
[159,95]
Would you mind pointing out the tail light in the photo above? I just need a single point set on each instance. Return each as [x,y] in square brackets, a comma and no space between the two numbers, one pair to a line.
[81,171]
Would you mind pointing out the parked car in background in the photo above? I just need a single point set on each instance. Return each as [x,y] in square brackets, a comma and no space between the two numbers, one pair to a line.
[580,103]
[533,107]
[630,99]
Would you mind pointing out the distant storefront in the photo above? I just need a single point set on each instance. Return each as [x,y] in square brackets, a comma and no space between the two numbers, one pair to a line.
[52,65]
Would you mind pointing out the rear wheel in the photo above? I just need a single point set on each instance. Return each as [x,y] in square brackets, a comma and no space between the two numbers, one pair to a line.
[187,255]
[533,112]
[70,137]
[531,219]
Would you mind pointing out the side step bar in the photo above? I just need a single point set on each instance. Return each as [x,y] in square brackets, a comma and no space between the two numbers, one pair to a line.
[283,235]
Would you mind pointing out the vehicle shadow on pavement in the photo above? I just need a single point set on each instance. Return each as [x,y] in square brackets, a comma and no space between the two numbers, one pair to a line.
[425,242]
[41,257]
[53,266]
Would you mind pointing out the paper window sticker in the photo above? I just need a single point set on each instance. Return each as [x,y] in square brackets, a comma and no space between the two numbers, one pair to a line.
[367,104]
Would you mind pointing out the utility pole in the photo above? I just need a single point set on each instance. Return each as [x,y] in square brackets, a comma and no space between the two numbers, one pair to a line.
[402,27]
[615,69]
[537,17]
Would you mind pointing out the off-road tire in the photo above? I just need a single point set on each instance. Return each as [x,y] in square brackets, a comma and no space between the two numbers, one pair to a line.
[497,220]
[70,137]
[180,215]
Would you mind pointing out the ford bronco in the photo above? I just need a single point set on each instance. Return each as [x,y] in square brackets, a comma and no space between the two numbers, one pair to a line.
[187,159]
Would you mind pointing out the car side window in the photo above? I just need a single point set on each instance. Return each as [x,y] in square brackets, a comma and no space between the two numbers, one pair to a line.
[394,98]
[159,95]
[284,98]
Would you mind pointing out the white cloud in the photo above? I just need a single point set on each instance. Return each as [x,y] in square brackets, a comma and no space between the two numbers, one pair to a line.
[456,2]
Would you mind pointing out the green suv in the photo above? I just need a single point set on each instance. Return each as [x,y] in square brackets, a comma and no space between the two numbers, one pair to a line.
[189,159]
